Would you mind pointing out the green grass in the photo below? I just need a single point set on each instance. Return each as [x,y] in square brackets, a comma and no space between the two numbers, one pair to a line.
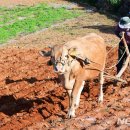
[24,20]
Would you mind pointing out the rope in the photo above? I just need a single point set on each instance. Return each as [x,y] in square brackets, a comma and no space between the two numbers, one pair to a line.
[117,62]
[112,49]
[108,53]
[107,74]
[121,56]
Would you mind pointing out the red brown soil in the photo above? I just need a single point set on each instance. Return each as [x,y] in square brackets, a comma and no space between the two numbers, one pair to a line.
[33,98]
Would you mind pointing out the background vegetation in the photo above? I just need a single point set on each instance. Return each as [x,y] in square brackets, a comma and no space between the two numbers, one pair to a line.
[120,7]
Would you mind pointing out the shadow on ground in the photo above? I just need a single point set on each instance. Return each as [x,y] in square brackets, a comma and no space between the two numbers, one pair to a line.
[102,28]
[86,6]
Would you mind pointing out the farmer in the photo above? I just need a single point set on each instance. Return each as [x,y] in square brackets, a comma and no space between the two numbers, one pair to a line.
[123,26]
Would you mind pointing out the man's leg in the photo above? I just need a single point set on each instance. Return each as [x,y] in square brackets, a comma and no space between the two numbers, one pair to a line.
[121,56]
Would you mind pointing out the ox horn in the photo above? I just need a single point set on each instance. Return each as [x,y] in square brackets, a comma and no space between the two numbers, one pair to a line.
[44,53]
[50,46]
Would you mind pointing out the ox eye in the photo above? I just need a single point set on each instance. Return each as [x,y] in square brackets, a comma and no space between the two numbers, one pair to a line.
[52,58]
[66,56]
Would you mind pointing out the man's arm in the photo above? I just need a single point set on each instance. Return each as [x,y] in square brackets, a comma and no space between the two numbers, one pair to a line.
[118,32]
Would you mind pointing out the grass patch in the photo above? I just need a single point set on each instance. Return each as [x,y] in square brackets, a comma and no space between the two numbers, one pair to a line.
[24,20]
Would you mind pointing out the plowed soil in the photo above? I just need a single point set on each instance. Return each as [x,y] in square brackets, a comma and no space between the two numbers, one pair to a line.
[32,97]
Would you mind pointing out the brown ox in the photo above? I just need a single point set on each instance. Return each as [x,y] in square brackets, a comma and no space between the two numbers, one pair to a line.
[76,61]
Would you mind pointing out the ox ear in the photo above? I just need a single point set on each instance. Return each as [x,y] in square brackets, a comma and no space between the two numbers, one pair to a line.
[73,51]
[45,53]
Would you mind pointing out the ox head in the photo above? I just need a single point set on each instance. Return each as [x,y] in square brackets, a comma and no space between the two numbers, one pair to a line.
[61,58]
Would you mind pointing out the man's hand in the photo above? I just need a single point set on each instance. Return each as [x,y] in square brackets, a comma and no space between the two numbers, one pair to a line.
[121,34]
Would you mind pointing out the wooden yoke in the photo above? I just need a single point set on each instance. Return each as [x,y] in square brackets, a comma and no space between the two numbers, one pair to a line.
[127,59]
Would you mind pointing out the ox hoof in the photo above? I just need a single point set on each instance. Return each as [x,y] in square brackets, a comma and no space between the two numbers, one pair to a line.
[100,99]
[71,114]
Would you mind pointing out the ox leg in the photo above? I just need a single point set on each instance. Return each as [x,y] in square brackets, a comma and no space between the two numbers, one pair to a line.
[75,98]
[100,99]
[69,94]
[69,86]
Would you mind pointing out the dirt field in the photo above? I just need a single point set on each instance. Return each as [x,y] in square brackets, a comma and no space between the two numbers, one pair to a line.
[12,3]
[31,96]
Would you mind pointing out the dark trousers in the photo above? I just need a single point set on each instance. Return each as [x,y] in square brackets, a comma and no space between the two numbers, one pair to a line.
[121,50]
